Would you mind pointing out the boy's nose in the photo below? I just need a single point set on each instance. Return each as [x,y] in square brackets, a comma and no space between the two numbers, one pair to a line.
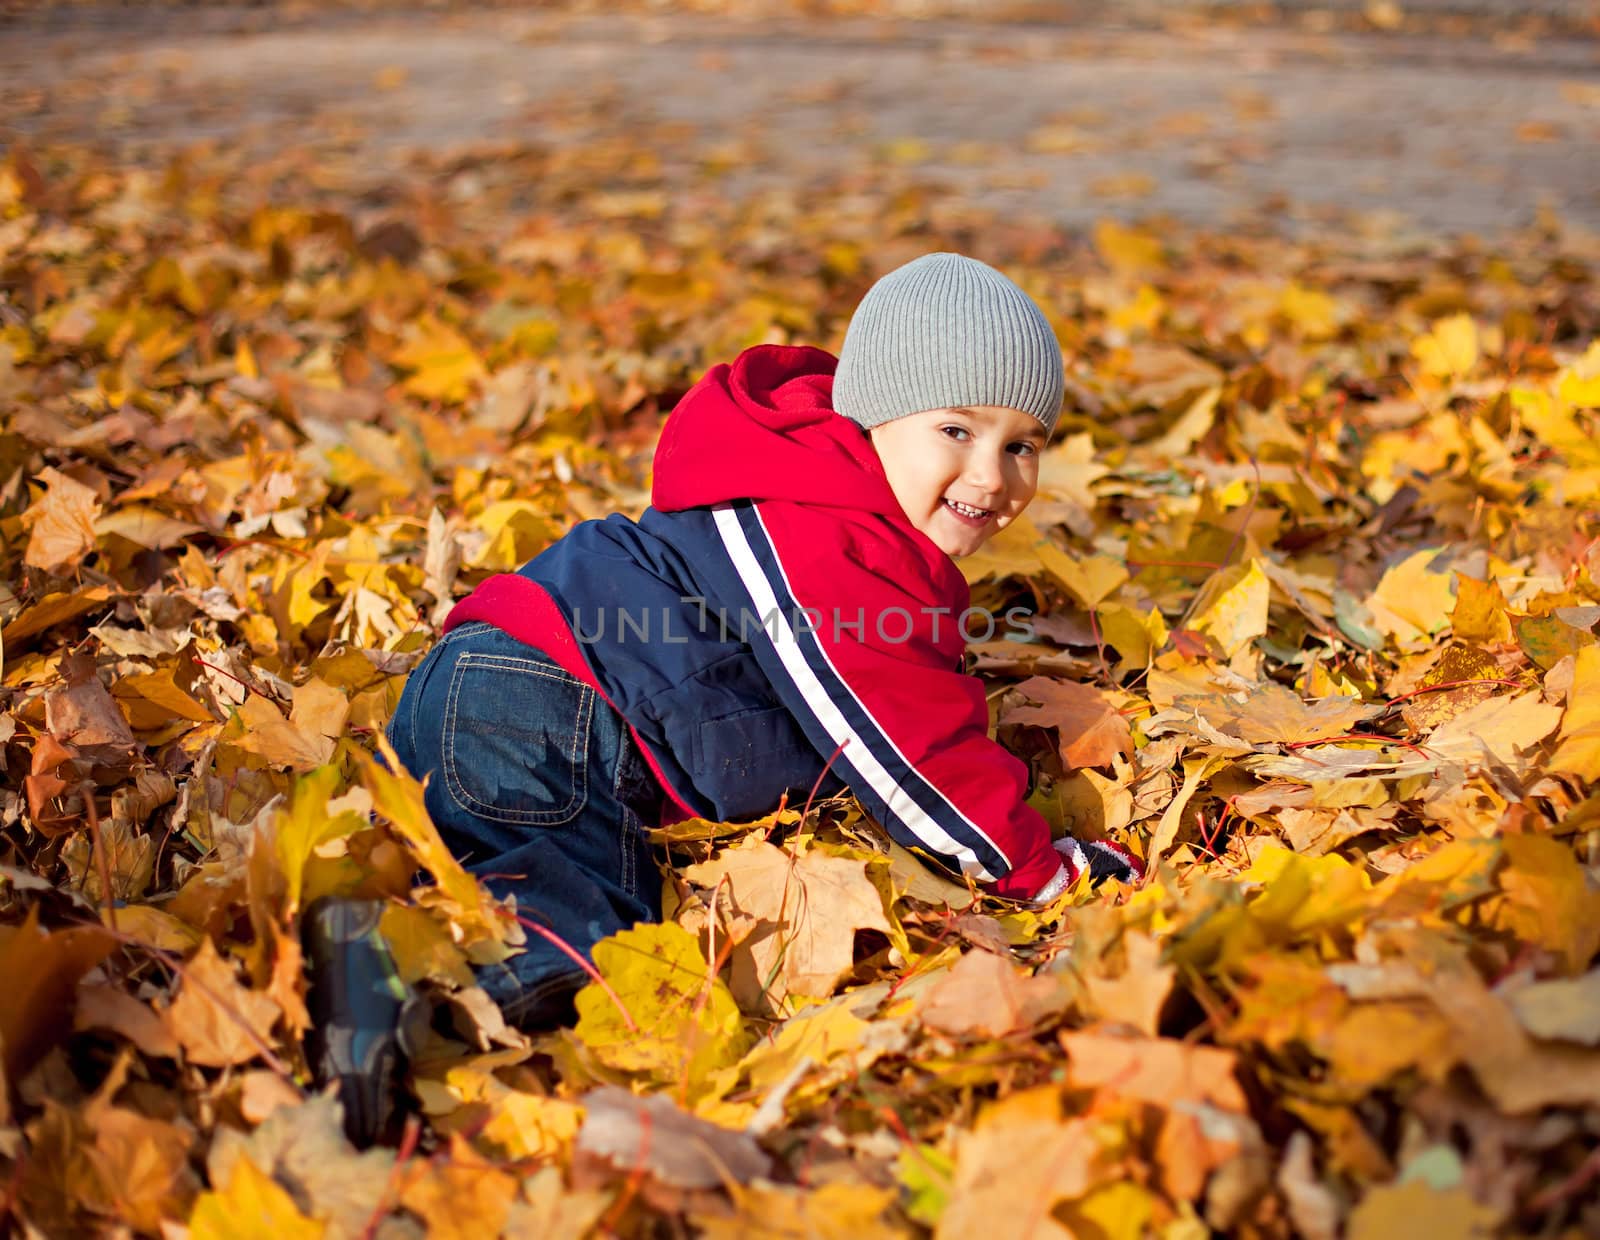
[983,473]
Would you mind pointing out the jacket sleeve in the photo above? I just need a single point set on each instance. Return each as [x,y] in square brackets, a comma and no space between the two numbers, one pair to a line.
[856,653]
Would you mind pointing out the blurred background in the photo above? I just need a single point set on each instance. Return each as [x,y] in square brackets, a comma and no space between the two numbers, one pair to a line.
[1394,117]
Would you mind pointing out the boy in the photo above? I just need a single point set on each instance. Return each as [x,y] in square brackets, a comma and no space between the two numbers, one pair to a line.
[788,609]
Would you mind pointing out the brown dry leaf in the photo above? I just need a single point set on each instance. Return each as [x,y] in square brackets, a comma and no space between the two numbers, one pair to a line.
[1272,714]
[1155,1070]
[988,996]
[50,773]
[548,1207]
[1566,1010]
[802,916]
[39,973]
[51,610]
[319,710]
[85,716]
[1091,731]
[60,523]
[218,1021]
[1518,1074]
[142,1173]
[841,1210]
[106,1007]
[279,740]
[1137,995]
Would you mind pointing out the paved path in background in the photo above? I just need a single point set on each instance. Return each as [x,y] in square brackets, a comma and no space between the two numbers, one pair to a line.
[1076,120]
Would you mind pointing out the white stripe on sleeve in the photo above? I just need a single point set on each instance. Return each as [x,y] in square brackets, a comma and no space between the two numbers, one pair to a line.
[828,714]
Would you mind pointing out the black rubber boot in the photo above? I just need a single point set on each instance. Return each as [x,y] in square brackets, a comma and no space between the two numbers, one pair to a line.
[355,1000]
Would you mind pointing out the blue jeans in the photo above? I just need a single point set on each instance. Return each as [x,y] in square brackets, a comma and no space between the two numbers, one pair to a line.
[539,789]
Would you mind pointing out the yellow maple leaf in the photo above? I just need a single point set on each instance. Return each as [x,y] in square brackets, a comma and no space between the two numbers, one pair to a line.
[443,363]
[1233,607]
[1091,580]
[1412,600]
[1579,384]
[1128,250]
[1579,753]
[252,1206]
[279,740]
[1312,311]
[677,1022]
[1480,612]
[399,798]
[297,832]
[1450,349]
[1549,899]
[464,1198]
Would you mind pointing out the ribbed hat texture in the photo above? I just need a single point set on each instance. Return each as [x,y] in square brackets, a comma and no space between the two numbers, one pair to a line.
[947,330]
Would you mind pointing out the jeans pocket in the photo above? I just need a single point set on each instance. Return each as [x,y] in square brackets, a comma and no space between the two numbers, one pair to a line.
[516,740]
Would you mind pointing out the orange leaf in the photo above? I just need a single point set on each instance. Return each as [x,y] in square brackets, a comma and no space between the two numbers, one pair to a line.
[1091,731]
[214,1017]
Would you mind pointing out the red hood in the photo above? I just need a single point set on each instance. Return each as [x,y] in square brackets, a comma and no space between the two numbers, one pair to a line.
[765,428]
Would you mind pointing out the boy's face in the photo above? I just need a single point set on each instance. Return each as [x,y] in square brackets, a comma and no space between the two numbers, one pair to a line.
[961,474]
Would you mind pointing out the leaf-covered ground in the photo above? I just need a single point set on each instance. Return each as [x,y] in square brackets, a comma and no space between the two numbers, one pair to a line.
[1312,577]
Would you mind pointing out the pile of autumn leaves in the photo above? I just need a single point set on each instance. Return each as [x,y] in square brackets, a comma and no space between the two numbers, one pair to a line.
[1313,574]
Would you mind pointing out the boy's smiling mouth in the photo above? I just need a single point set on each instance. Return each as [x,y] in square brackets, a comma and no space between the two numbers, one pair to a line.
[968,512]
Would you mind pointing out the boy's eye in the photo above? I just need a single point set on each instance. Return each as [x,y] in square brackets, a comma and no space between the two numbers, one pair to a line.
[1023,448]
[956,432]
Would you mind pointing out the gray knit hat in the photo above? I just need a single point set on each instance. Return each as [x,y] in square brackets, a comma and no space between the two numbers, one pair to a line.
[947,330]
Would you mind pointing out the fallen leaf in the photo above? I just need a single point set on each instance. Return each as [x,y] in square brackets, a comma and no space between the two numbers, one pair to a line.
[1272,714]
[250,1206]
[60,523]
[1091,731]
[988,996]
[39,973]
[1136,996]
[1022,1140]
[462,1198]
[676,1021]
[1391,1212]
[803,913]
[653,1136]
[1566,1009]
[1506,728]
[302,1146]
[218,1021]
[1233,607]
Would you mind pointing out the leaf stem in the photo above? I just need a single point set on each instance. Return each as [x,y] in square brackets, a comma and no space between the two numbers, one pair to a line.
[561,945]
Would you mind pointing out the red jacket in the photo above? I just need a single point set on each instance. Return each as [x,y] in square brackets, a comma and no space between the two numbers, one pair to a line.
[803,618]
